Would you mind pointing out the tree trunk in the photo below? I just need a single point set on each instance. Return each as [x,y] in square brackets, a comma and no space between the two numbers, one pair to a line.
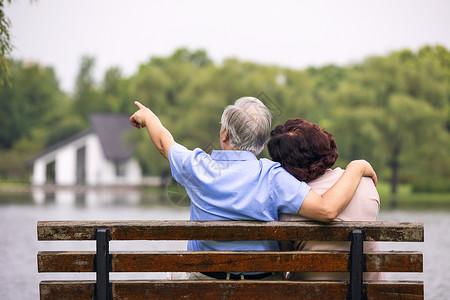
[395,165]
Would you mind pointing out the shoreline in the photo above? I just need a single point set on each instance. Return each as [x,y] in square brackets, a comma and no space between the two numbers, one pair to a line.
[50,188]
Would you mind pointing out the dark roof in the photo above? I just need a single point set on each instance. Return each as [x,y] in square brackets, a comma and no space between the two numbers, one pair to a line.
[59,145]
[111,129]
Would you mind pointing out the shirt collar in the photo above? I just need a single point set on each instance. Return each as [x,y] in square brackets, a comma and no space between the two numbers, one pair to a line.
[232,155]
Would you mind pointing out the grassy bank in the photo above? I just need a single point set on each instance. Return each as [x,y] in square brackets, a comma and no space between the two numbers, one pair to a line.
[406,199]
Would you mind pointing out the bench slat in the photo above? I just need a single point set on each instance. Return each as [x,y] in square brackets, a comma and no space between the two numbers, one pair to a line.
[150,289]
[204,261]
[229,230]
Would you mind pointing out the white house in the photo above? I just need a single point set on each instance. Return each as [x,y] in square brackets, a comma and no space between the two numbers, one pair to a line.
[96,157]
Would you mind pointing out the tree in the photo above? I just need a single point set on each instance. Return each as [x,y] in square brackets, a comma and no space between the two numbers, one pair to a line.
[404,124]
[393,111]
[27,102]
[87,96]
[27,114]
[390,110]
[115,91]
[174,88]
[5,44]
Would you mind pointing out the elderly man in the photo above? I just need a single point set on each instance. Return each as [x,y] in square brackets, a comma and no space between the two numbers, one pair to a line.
[233,184]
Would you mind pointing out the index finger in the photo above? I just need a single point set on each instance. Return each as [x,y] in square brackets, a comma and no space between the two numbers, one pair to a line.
[139,104]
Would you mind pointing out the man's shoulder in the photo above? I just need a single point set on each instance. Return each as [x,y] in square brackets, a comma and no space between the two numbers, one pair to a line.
[180,148]
[177,147]
[270,166]
[180,154]
[275,170]
[269,163]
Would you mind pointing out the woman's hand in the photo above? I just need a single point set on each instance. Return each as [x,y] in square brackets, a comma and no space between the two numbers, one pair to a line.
[366,168]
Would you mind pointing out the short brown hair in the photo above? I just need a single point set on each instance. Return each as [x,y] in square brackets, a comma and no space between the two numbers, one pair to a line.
[304,149]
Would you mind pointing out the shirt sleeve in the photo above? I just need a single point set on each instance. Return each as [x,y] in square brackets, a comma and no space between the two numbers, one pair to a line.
[178,155]
[288,192]
[186,165]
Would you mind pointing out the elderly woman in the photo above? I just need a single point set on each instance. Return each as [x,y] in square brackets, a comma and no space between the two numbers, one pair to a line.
[308,153]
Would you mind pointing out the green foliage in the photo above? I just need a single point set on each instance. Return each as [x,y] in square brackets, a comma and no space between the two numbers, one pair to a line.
[435,185]
[111,95]
[87,95]
[13,162]
[114,91]
[5,44]
[29,111]
[27,102]
[393,111]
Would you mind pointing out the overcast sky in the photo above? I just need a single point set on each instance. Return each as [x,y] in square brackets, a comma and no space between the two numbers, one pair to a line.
[294,34]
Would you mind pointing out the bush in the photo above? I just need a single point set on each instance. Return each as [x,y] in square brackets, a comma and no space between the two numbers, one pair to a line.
[440,185]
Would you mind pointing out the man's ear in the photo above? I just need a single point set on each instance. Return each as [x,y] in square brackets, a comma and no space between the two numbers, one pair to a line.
[225,136]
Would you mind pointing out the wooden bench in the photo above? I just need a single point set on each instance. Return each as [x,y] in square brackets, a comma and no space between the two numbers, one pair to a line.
[102,261]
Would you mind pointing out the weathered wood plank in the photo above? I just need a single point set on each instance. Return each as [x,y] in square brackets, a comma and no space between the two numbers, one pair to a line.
[229,230]
[299,261]
[67,290]
[50,290]
[66,261]
[231,290]
[394,261]
[387,290]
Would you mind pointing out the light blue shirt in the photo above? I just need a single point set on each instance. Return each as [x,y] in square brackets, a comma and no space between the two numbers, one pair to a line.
[235,185]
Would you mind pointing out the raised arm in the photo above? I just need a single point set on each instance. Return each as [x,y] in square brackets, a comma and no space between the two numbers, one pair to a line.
[329,205]
[159,135]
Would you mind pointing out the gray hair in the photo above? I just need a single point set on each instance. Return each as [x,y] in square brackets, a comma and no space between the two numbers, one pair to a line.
[248,122]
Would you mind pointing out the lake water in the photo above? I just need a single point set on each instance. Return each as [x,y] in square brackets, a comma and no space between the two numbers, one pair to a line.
[19,214]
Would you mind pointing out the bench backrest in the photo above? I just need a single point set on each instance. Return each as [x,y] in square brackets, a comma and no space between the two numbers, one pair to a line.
[102,261]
